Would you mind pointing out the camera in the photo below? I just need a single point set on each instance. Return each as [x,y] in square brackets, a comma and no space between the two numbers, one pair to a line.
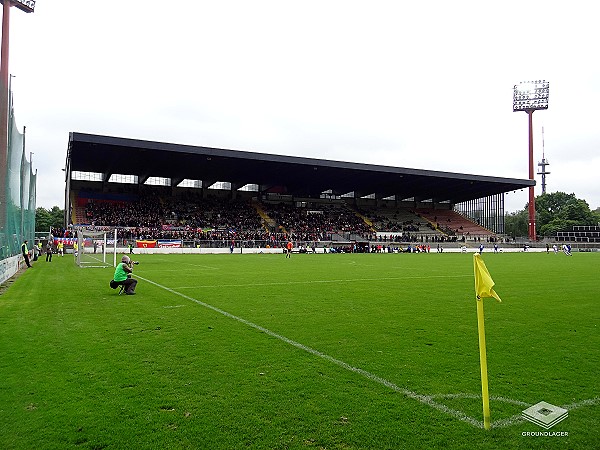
[135,262]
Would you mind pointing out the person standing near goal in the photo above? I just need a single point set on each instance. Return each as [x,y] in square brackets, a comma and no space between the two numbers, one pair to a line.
[49,251]
[123,273]
[25,252]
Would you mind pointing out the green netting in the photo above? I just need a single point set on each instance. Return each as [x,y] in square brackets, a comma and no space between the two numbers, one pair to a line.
[19,208]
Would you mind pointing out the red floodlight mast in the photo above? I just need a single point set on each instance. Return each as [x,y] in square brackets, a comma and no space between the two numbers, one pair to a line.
[27,6]
[530,96]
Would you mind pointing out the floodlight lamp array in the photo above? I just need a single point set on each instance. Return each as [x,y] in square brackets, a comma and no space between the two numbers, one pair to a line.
[24,5]
[531,95]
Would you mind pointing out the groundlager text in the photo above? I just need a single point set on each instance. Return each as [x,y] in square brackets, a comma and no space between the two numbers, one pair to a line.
[545,433]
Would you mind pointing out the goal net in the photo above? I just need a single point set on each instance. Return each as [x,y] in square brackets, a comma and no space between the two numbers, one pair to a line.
[92,249]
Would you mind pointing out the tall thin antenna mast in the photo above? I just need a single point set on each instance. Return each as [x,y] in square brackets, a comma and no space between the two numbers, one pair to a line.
[543,165]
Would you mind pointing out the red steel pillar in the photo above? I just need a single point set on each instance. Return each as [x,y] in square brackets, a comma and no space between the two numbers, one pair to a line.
[532,230]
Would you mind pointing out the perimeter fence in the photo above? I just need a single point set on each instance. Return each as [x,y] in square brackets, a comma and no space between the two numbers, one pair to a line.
[17,193]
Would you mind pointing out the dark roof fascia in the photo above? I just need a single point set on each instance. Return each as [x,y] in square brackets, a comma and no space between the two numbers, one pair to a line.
[238,154]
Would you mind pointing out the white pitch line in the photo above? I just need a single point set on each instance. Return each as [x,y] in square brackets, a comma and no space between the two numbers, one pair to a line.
[517,418]
[197,266]
[503,423]
[425,399]
[478,396]
[287,283]
[588,402]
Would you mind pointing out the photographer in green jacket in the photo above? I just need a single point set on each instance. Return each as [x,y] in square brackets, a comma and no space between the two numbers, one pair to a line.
[123,273]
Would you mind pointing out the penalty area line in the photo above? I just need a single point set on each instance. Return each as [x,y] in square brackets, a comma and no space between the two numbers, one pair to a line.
[425,399]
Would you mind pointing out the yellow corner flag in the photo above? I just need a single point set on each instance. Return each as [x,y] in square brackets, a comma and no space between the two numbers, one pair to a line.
[483,288]
[483,281]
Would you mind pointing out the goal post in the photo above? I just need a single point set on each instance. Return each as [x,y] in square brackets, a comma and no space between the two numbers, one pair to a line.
[92,249]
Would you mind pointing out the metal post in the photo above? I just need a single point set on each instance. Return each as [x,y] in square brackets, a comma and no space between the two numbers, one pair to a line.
[115,250]
[4,113]
[532,231]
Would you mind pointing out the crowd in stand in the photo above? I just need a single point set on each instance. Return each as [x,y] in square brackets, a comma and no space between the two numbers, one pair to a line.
[217,219]
[184,219]
[221,221]
[146,214]
[393,224]
[316,224]
[411,237]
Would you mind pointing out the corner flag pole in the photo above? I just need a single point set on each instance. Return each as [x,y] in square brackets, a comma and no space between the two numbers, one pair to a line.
[483,288]
[485,395]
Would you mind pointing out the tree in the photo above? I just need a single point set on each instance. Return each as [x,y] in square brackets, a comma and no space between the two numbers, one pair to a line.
[559,211]
[553,212]
[515,224]
[46,219]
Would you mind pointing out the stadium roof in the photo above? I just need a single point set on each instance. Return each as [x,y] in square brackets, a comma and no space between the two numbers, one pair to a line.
[301,177]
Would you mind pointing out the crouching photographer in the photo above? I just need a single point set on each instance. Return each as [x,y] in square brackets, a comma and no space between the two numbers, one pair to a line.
[122,276]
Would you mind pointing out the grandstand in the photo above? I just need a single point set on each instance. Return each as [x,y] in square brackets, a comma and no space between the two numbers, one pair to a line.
[209,197]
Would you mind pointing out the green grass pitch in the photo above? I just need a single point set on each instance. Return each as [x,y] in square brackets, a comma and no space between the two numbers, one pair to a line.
[326,351]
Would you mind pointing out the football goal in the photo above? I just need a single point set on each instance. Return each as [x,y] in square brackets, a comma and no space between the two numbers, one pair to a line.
[92,249]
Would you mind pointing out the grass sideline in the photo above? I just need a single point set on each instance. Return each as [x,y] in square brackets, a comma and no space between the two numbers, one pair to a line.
[316,351]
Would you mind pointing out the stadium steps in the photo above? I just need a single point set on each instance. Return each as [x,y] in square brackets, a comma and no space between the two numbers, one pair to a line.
[268,221]
[454,221]
[78,212]
[366,220]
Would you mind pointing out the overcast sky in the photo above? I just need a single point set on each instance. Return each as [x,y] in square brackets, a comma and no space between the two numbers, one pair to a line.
[424,85]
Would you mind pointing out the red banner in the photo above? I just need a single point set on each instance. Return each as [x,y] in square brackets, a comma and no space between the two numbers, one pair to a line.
[145,244]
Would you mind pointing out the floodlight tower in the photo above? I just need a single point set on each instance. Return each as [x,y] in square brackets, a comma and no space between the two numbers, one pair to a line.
[27,6]
[530,96]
